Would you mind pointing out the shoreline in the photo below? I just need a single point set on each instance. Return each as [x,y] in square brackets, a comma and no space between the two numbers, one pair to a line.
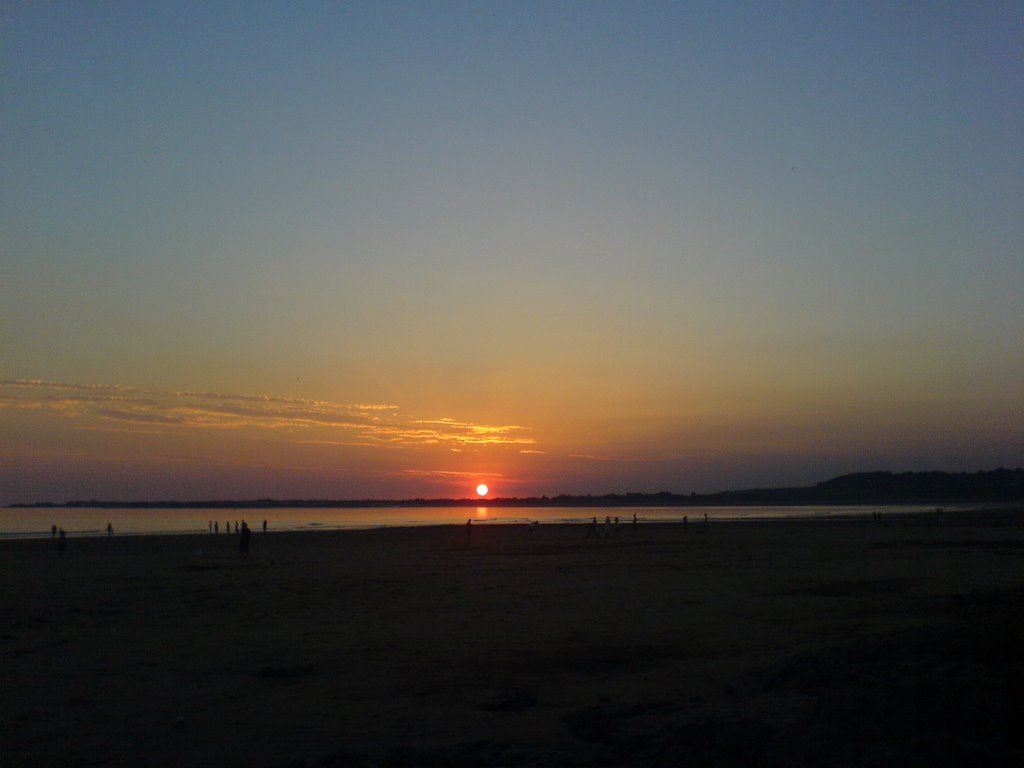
[282,526]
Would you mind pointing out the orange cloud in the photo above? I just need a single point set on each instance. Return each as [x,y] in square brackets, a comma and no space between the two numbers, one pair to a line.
[366,424]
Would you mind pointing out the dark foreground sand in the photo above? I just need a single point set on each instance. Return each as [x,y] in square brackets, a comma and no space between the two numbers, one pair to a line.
[771,643]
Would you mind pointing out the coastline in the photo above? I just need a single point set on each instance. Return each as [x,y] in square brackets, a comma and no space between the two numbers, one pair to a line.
[89,522]
[755,642]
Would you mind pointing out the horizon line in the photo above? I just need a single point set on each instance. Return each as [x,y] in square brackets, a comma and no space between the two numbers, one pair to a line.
[776,491]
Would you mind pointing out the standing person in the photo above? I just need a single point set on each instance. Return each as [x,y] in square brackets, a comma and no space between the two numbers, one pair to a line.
[216,527]
[53,531]
[634,522]
[264,525]
[243,540]
[469,527]
[61,543]
[110,529]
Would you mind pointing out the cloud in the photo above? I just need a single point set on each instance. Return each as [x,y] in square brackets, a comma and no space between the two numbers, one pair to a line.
[367,424]
[443,473]
[138,417]
[449,431]
[350,443]
[595,457]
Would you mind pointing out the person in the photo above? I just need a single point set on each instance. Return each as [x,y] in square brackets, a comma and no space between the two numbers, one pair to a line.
[61,544]
[592,527]
[110,529]
[236,526]
[634,522]
[53,530]
[216,526]
[705,517]
[469,527]
[264,525]
[209,524]
[618,526]
[243,541]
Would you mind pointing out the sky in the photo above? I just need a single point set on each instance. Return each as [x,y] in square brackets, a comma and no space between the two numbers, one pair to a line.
[392,250]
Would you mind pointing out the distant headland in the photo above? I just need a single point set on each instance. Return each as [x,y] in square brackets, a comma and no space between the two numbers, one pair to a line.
[860,488]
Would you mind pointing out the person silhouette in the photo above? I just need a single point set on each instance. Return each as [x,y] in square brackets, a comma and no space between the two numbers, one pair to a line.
[243,540]
[469,527]
[264,525]
[110,529]
[216,527]
[61,543]
[53,530]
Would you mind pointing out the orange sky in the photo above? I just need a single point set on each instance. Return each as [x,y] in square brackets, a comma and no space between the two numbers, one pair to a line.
[118,442]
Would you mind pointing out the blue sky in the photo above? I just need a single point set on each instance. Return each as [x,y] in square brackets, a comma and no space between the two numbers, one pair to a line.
[712,246]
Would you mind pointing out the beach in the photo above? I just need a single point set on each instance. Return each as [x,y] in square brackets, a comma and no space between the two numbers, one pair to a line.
[790,642]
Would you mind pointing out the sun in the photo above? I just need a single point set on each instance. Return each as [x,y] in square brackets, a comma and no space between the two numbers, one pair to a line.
[481,490]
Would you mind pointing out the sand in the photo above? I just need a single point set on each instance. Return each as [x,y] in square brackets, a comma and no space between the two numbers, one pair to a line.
[822,642]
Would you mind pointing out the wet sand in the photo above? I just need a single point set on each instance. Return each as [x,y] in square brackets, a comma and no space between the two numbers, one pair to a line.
[821,642]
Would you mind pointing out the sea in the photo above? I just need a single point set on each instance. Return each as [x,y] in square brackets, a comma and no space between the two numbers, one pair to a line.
[37,522]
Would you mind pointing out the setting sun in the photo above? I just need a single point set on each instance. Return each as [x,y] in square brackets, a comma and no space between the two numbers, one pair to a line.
[481,490]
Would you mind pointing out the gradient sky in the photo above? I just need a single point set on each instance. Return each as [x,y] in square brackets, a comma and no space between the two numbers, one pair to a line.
[394,249]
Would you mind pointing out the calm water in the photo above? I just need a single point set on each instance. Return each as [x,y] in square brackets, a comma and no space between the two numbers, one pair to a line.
[34,523]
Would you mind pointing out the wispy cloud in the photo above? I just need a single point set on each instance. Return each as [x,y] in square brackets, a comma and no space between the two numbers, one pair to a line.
[597,457]
[444,473]
[450,431]
[354,423]
[350,443]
